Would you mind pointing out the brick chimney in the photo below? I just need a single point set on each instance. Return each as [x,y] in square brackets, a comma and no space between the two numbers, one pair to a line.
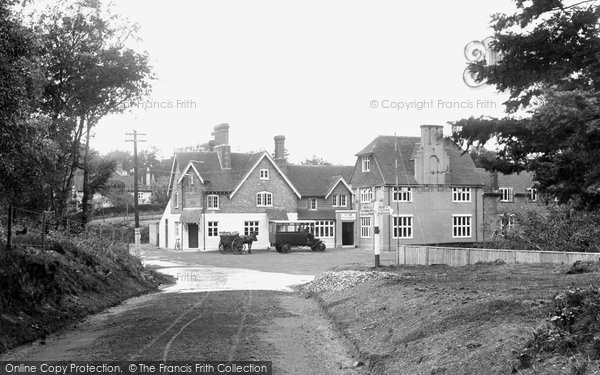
[494,180]
[221,134]
[431,160]
[279,157]
[221,142]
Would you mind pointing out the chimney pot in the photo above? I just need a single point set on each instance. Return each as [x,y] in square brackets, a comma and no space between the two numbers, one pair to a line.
[221,134]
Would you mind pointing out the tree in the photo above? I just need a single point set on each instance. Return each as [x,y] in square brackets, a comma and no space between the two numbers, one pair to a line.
[315,160]
[89,73]
[25,149]
[550,66]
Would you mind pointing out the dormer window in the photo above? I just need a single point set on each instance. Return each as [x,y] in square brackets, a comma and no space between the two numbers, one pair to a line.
[312,204]
[264,174]
[366,164]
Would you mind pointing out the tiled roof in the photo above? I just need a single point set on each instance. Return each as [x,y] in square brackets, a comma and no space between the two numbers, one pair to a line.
[208,165]
[317,180]
[520,182]
[387,150]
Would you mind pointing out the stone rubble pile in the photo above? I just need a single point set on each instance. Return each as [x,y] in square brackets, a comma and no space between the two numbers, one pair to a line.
[341,280]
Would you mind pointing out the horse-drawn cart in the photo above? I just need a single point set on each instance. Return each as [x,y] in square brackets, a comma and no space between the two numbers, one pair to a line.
[232,242]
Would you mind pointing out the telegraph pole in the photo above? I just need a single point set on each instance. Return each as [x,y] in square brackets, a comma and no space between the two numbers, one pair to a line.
[135,140]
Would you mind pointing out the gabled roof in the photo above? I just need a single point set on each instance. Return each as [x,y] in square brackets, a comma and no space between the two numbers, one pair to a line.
[206,164]
[318,180]
[193,165]
[389,150]
[340,180]
[264,155]
[386,150]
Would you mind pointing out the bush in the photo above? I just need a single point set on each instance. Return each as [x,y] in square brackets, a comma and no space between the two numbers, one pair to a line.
[573,328]
[557,230]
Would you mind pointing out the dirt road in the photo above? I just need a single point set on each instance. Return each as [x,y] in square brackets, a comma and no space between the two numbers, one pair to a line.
[225,320]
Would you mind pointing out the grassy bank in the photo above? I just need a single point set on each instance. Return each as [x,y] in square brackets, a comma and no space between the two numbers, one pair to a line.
[482,319]
[42,290]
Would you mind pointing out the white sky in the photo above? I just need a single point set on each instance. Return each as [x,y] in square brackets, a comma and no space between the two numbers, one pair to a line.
[304,69]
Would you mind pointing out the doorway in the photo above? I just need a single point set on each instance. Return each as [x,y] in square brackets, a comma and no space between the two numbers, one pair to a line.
[347,233]
[193,236]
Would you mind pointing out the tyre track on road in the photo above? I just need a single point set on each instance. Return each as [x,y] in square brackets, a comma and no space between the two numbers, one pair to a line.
[238,335]
[166,330]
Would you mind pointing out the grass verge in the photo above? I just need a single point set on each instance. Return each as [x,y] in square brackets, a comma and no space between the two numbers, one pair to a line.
[481,319]
[44,290]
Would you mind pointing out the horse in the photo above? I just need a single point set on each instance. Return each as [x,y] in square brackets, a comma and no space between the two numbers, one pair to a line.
[248,239]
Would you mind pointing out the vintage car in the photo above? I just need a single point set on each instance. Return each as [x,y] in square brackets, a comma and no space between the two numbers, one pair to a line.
[285,234]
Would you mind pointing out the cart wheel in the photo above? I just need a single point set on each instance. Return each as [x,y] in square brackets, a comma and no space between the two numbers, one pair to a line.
[222,248]
[237,245]
[286,247]
[321,246]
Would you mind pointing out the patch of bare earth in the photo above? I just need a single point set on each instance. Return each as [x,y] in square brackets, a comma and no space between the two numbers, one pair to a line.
[444,320]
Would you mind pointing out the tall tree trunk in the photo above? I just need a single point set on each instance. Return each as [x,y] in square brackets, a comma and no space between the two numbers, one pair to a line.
[68,181]
[85,200]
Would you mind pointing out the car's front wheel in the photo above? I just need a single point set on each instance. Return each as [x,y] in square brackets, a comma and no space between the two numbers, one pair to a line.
[321,246]
[286,247]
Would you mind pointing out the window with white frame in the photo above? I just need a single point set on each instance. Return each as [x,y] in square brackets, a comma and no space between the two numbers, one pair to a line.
[264,174]
[533,194]
[324,228]
[366,195]
[213,228]
[461,226]
[176,229]
[312,204]
[191,179]
[251,226]
[506,194]
[366,164]
[403,226]
[365,227]
[212,202]
[461,194]
[176,198]
[140,195]
[340,200]
[402,194]
[264,199]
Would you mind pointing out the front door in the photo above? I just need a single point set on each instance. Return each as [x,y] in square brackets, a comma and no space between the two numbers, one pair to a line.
[193,236]
[347,234]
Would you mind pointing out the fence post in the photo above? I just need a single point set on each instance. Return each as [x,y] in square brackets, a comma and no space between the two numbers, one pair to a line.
[426,255]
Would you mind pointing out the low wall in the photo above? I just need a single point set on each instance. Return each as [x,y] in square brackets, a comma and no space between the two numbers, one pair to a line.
[453,256]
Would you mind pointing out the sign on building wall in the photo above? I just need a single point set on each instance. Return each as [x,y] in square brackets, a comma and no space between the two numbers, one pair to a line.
[348,216]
